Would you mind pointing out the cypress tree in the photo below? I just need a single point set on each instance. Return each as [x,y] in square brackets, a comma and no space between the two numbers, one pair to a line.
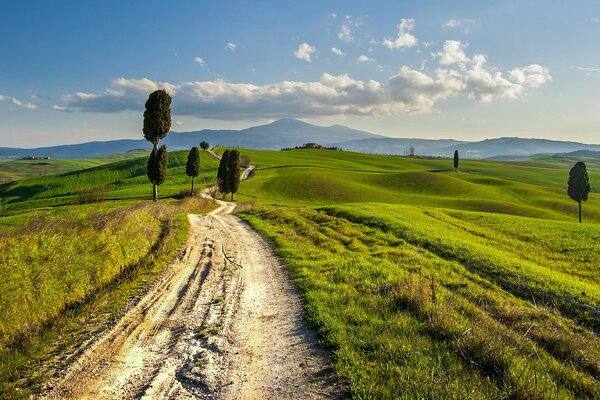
[157,167]
[233,172]
[192,168]
[157,122]
[456,160]
[579,184]
[222,175]
[204,145]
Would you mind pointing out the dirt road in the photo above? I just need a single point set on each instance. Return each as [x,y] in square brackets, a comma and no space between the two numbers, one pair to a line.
[223,322]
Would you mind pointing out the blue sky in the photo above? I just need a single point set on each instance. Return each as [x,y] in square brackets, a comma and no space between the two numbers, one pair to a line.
[76,71]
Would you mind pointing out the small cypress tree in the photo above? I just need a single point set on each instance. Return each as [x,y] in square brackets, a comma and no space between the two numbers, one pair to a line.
[456,160]
[204,145]
[157,122]
[192,168]
[157,167]
[233,172]
[579,184]
[222,175]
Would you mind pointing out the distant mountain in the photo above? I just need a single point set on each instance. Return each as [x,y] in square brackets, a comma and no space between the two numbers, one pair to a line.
[501,148]
[400,146]
[519,147]
[584,153]
[273,136]
[291,133]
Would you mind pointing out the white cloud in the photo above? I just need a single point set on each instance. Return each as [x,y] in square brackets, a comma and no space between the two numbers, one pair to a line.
[337,52]
[305,52]
[59,108]
[464,24]
[230,46]
[332,15]
[199,61]
[345,33]
[405,38]
[178,123]
[19,103]
[595,72]
[362,59]
[453,53]
[407,92]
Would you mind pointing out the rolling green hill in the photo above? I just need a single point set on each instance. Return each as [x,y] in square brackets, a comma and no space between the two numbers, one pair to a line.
[438,284]
[318,177]
[424,281]
[12,170]
[124,179]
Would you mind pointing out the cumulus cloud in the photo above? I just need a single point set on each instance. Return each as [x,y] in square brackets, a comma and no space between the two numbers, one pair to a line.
[337,52]
[199,61]
[362,59]
[409,91]
[230,46]
[464,24]
[305,52]
[404,38]
[122,94]
[453,53]
[19,103]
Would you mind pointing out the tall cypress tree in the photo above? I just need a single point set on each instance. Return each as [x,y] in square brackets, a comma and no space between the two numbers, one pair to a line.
[157,167]
[157,122]
[192,168]
[233,172]
[222,175]
[579,184]
[456,160]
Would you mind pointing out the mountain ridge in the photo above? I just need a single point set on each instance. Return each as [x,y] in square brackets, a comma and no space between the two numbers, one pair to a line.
[285,133]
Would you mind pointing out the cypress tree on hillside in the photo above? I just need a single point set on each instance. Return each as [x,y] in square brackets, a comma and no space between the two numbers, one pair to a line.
[157,122]
[222,175]
[456,160]
[157,167]
[192,168]
[233,172]
[204,145]
[579,184]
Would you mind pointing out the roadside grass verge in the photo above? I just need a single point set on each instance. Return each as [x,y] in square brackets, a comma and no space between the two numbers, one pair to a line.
[64,276]
[405,320]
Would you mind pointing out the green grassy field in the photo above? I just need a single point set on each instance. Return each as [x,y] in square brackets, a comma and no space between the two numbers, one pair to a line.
[424,282]
[434,284]
[63,263]
[122,180]
[317,177]
[12,170]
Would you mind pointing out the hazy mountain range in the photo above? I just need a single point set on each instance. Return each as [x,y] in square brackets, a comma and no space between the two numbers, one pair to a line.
[290,133]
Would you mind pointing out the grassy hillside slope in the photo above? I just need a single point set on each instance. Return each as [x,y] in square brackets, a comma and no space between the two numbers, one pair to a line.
[67,268]
[437,284]
[125,179]
[11,170]
[317,177]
